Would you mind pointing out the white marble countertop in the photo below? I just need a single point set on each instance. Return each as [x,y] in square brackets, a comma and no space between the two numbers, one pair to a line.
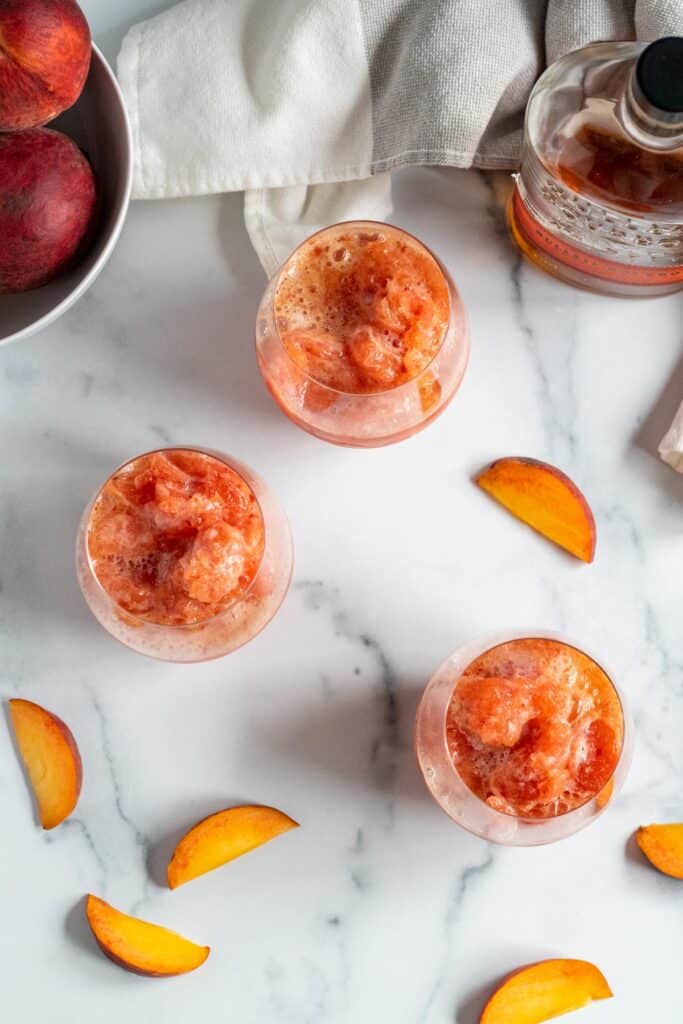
[378,908]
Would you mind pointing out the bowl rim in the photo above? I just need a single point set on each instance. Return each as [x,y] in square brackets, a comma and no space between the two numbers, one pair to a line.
[75,294]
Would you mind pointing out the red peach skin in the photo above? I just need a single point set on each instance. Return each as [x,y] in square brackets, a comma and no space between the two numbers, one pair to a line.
[44,60]
[47,207]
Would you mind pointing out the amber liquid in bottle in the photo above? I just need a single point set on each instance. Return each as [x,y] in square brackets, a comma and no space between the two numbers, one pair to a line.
[600,164]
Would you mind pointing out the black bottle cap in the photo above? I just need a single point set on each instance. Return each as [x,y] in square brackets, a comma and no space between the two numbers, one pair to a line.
[659,74]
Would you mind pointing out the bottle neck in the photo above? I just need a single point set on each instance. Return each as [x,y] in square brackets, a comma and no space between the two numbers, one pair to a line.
[647,125]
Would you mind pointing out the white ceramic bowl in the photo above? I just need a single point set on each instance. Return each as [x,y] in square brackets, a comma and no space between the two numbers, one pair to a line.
[98,123]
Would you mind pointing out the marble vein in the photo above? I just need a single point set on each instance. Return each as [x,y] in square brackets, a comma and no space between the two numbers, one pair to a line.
[555,378]
[78,826]
[463,884]
[140,840]
[387,742]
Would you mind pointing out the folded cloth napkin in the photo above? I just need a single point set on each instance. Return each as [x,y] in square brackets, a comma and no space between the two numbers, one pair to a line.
[307,104]
[671,447]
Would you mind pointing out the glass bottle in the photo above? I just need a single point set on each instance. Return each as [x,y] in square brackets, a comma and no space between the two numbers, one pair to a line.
[598,201]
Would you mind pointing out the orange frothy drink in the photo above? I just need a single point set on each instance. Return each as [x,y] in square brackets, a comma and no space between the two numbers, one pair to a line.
[175,536]
[184,554]
[361,337]
[362,311]
[534,728]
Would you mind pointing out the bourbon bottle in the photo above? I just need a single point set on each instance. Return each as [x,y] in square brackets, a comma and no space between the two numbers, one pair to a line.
[598,201]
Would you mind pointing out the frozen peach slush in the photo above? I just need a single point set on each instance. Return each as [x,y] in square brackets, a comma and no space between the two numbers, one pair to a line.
[175,537]
[534,728]
[362,311]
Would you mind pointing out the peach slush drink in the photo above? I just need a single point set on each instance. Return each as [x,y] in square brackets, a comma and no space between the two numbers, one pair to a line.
[533,729]
[184,554]
[361,337]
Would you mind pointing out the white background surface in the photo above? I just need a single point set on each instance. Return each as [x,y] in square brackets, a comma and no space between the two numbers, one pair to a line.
[378,908]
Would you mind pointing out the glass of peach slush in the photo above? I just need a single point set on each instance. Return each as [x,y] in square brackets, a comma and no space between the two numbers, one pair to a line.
[523,740]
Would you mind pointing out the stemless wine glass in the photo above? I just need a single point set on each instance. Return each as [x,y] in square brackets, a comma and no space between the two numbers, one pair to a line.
[460,802]
[236,622]
[371,418]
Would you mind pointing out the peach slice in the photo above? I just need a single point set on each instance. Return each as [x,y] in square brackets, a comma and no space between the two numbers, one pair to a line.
[663,847]
[139,946]
[51,759]
[544,498]
[222,837]
[545,990]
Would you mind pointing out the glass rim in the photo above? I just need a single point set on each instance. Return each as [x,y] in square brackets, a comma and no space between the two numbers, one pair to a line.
[451,290]
[87,516]
[491,643]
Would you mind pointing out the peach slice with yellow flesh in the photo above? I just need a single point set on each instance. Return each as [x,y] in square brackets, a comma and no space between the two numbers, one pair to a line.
[139,946]
[544,498]
[51,759]
[545,990]
[222,837]
[663,847]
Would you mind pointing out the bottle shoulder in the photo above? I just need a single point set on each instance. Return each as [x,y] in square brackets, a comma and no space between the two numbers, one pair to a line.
[574,128]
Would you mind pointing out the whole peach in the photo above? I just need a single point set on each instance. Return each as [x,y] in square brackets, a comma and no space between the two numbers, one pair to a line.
[47,206]
[44,59]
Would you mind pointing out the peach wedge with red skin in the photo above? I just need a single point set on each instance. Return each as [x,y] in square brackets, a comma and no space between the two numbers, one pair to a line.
[663,847]
[544,498]
[139,946]
[51,759]
[222,837]
[545,990]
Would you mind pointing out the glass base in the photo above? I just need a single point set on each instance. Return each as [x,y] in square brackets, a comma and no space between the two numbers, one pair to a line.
[357,441]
